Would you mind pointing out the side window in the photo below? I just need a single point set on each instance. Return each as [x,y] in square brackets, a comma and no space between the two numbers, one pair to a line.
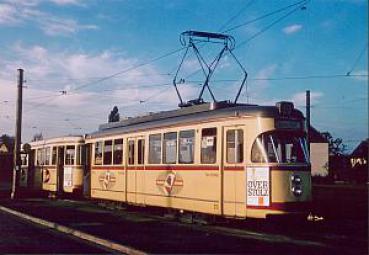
[131,152]
[155,149]
[70,155]
[170,148]
[118,152]
[141,151]
[54,155]
[79,155]
[108,146]
[38,156]
[98,153]
[208,145]
[24,159]
[186,146]
[47,156]
[234,146]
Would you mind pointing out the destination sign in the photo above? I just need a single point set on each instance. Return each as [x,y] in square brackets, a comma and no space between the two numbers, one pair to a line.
[287,124]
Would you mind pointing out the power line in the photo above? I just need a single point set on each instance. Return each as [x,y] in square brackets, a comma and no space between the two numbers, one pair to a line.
[358,58]
[300,4]
[100,79]
[139,87]
[266,15]
[42,104]
[128,69]
[307,77]
[153,96]
[92,78]
[40,97]
[266,28]
[236,15]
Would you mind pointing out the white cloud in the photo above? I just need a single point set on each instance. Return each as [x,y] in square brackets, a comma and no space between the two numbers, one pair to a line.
[38,2]
[8,14]
[292,29]
[20,3]
[67,2]
[57,26]
[266,72]
[49,72]
[21,12]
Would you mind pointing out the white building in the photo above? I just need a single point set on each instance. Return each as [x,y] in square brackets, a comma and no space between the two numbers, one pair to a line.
[319,153]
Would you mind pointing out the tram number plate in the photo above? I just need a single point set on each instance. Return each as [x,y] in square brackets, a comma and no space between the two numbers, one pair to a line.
[258,186]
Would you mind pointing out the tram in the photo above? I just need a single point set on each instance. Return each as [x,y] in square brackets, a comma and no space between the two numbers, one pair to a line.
[56,165]
[218,158]
[225,159]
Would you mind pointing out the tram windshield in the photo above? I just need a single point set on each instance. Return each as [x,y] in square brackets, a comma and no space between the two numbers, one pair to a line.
[279,147]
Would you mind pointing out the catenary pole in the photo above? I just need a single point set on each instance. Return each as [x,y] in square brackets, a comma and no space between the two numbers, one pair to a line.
[308,119]
[18,135]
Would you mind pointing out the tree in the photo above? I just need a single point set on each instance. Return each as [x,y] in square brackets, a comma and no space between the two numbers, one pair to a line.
[338,161]
[335,145]
[37,137]
[8,141]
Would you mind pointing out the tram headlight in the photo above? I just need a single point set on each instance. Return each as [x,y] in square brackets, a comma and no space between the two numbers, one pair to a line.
[296,185]
[296,180]
[297,191]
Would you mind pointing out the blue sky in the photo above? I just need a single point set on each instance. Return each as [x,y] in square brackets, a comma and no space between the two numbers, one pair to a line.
[65,44]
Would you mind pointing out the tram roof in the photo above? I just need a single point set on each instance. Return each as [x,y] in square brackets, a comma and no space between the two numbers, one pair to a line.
[189,114]
[58,140]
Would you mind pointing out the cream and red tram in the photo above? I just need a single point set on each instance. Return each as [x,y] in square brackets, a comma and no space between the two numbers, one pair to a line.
[221,159]
[57,165]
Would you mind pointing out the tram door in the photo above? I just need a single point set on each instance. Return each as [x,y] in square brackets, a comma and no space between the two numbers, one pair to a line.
[234,173]
[135,170]
[86,162]
[31,170]
[140,170]
[60,169]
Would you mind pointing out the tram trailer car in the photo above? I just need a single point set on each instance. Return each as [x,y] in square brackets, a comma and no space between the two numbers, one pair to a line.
[56,165]
[231,160]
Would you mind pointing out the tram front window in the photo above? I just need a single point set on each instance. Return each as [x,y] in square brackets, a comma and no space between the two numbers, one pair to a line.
[279,147]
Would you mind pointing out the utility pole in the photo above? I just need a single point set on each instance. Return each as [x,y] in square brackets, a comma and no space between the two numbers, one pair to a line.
[18,135]
[308,119]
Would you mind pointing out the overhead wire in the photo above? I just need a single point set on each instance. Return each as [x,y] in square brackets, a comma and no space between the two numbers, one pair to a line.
[139,87]
[42,104]
[254,36]
[128,69]
[266,28]
[98,80]
[300,4]
[265,15]
[306,77]
[232,18]
[91,78]
[358,59]
[229,21]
